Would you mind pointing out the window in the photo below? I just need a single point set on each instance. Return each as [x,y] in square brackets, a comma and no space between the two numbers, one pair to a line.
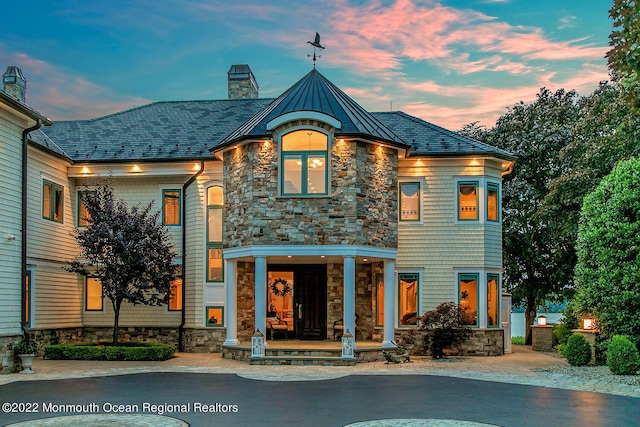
[468,298]
[175,295]
[83,214]
[493,288]
[52,201]
[408,298]
[171,207]
[409,201]
[26,299]
[493,202]
[379,299]
[468,201]
[215,316]
[304,163]
[93,294]
[215,202]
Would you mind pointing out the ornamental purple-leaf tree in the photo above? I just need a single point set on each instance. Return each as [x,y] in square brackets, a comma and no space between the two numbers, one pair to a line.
[127,249]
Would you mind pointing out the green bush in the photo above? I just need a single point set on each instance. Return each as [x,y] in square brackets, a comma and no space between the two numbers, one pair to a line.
[123,351]
[577,350]
[517,340]
[443,327]
[622,356]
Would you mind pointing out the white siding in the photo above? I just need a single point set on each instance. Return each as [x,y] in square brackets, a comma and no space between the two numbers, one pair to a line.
[11,202]
[50,245]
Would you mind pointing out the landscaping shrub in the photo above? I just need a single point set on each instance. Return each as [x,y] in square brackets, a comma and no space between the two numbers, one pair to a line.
[517,340]
[577,350]
[123,351]
[444,327]
[622,356]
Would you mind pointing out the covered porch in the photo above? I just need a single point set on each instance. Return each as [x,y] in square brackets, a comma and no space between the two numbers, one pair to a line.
[302,293]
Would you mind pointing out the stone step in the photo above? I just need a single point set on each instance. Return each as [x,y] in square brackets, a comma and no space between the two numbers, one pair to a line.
[302,361]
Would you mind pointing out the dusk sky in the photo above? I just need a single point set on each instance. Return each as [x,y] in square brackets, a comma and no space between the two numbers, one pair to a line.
[448,62]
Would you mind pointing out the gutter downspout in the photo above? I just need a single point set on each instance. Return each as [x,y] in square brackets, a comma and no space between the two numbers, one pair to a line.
[184,254]
[25,132]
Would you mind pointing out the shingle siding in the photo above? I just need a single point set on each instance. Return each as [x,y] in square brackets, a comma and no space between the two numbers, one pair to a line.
[439,244]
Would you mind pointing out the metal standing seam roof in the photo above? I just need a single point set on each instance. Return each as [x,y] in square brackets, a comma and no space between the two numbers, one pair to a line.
[315,93]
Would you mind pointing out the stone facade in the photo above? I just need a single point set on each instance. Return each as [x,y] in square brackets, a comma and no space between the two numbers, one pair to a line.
[482,342]
[361,208]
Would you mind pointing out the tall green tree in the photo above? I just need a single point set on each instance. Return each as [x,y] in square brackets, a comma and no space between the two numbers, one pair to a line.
[535,269]
[127,249]
[608,247]
[624,56]
[606,132]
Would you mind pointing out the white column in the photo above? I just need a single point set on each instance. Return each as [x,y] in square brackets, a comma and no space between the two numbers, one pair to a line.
[389,302]
[231,305]
[261,294]
[349,300]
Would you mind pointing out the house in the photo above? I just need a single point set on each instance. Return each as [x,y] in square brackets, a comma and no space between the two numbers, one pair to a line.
[304,215]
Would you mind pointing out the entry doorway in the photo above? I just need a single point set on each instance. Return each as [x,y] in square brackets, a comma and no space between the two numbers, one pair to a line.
[297,297]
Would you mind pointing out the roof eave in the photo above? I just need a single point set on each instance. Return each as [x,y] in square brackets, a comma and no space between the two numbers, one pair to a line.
[24,108]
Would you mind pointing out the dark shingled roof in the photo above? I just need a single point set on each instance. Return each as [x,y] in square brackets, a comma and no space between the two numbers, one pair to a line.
[427,139]
[315,93]
[188,130]
[41,139]
[182,130]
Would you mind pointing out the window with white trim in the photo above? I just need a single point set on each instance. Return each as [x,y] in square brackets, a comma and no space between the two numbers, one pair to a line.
[171,201]
[52,201]
[92,294]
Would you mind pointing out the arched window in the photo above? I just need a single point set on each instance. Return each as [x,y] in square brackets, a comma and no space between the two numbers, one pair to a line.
[304,163]
[215,202]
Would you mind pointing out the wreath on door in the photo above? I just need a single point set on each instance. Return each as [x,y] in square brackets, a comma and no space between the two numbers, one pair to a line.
[280,287]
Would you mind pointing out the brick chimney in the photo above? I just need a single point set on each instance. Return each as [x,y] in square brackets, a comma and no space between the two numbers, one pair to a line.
[14,83]
[241,82]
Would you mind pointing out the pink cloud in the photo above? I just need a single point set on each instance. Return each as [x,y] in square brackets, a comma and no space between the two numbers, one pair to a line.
[60,95]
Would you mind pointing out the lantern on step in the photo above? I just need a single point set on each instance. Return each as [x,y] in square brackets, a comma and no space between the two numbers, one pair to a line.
[257,345]
[348,345]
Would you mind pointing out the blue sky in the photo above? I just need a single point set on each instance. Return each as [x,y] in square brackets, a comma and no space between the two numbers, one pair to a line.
[448,62]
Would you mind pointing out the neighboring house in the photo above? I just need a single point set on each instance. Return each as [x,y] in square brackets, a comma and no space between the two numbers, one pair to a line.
[304,212]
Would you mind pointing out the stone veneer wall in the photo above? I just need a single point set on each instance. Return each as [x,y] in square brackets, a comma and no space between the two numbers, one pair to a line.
[483,342]
[246,301]
[360,210]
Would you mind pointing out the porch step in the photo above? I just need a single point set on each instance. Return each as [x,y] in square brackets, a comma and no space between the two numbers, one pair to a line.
[302,361]
[322,353]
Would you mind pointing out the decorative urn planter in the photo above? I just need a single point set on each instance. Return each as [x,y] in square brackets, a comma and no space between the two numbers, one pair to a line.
[27,351]
[27,362]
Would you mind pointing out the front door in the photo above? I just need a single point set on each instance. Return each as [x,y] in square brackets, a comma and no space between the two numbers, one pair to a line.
[305,309]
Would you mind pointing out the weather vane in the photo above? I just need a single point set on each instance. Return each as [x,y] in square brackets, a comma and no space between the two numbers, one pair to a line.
[316,44]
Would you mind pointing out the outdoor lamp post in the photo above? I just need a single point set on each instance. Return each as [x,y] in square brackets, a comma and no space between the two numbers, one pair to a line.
[257,345]
[348,344]
[588,323]
[542,320]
